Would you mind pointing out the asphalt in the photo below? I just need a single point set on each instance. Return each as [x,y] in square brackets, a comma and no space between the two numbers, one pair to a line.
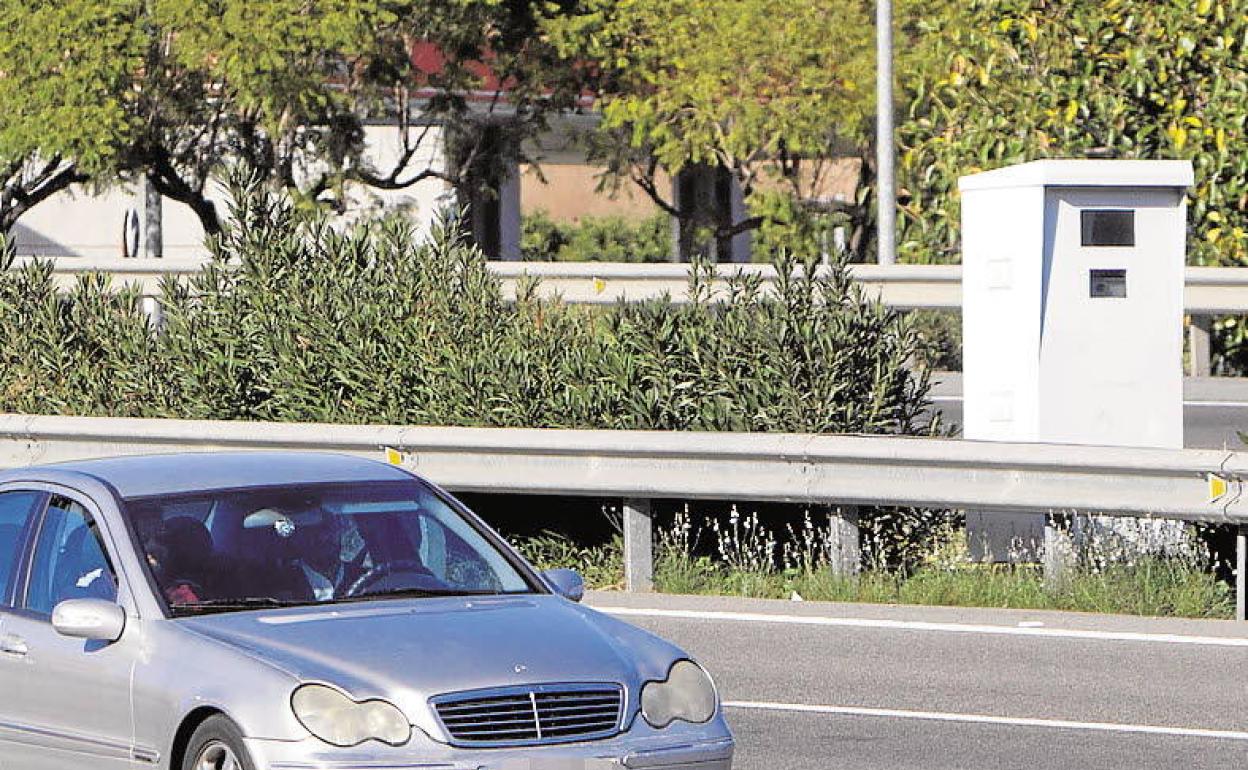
[914,687]
[1215,409]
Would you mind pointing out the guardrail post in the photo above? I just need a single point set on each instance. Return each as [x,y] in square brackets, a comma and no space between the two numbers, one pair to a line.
[638,546]
[1200,349]
[845,541]
[1058,552]
[1241,574]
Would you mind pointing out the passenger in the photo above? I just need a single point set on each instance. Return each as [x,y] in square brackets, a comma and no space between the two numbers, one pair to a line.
[181,557]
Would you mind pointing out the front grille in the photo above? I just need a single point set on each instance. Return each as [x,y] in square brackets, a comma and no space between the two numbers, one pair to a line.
[537,714]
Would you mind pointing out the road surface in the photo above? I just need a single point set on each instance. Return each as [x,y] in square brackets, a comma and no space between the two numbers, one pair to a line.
[825,686]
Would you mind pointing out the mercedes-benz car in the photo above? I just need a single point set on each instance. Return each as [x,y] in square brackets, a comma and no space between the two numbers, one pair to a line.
[289,611]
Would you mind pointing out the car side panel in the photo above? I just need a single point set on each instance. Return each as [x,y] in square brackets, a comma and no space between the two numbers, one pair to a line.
[181,671]
[75,699]
[72,695]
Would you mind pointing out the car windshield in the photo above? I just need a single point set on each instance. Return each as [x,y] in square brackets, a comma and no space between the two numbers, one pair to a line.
[276,546]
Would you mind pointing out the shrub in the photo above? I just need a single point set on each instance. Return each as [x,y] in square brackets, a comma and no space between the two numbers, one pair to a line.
[90,351]
[597,239]
[294,321]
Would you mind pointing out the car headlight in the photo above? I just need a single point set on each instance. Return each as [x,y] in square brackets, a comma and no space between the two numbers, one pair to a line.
[334,718]
[688,694]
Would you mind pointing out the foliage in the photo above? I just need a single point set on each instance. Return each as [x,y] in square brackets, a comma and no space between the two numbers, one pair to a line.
[941,331]
[1229,345]
[175,91]
[789,226]
[295,321]
[1027,79]
[667,66]
[596,239]
[602,566]
[779,566]
[763,563]
[65,112]
[90,353]
[745,85]
[769,90]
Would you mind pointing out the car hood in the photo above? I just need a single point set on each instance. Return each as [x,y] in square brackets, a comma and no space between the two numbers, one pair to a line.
[408,651]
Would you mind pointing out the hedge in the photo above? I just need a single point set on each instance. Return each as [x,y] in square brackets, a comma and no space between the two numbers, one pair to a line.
[295,321]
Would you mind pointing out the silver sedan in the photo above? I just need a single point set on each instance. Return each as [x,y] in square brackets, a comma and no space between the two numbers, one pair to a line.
[300,611]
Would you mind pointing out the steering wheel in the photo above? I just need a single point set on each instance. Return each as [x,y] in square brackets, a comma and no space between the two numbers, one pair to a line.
[380,572]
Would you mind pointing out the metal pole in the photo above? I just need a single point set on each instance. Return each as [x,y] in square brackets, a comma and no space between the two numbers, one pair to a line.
[1241,574]
[638,546]
[885,151]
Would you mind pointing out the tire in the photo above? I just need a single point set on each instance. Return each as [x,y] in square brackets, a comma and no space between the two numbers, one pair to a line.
[217,744]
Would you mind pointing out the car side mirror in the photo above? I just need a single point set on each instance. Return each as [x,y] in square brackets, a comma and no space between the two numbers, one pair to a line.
[93,619]
[568,583]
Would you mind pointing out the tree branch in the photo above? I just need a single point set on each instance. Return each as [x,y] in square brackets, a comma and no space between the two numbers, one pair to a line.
[21,195]
[169,183]
[647,184]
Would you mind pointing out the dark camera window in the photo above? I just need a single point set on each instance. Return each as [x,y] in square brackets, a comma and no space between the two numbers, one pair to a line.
[1108,228]
[1108,283]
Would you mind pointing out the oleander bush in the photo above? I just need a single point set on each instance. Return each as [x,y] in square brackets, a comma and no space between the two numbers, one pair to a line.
[294,320]
[91,351]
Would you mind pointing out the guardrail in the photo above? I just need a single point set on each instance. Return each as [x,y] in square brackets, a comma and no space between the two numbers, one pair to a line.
[589,283]
[637,467]
[1209,290]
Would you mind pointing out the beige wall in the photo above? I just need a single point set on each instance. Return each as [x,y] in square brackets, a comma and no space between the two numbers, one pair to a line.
[570,191]
[833,180]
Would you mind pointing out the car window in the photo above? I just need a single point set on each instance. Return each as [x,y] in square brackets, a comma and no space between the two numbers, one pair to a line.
[16,508]
[70,559]
[219,550]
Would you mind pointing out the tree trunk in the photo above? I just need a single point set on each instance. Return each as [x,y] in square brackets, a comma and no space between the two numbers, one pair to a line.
[153,224]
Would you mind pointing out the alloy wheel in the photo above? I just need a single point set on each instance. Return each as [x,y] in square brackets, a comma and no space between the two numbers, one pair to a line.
[217,756]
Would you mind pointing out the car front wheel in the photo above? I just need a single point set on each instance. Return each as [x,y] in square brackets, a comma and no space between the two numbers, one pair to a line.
[217,745]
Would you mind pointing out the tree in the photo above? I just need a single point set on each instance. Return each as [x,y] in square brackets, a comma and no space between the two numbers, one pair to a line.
[66,114]
[768,91]
[1028,79]
[174,91]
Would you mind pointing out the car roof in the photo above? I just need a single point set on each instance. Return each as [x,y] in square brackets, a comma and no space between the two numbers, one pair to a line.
[171,474]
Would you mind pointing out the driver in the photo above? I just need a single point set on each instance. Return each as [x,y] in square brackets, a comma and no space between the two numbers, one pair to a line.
[319,550]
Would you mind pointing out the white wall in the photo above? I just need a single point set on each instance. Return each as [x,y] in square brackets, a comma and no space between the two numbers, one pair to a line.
[80,222]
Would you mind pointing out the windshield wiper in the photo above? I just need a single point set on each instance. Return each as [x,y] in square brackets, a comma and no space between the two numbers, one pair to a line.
[228,605]
[414,593]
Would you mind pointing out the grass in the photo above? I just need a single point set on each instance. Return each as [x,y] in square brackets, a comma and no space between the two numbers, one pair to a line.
[1153,587]
[1149,586]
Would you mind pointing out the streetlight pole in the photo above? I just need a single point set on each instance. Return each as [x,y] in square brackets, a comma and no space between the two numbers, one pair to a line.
[885,150]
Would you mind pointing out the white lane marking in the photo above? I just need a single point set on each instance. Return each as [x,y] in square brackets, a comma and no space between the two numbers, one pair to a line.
[1210,404]
[916,625]
[937,716]
[1220,404]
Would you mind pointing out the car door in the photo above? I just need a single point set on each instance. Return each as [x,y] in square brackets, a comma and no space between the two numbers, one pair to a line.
[19,510]
[73,706]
